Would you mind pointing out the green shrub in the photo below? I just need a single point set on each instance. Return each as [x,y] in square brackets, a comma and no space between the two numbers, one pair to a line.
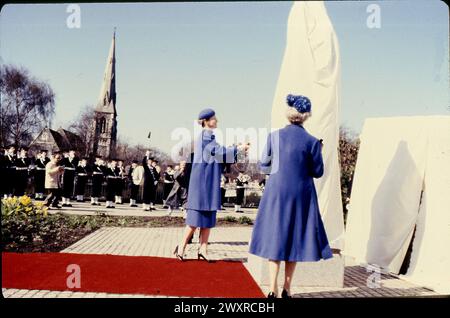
[245,220]
[229,218]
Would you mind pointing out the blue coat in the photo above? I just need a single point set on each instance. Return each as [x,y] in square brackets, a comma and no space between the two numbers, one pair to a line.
[288,226]
[207,167]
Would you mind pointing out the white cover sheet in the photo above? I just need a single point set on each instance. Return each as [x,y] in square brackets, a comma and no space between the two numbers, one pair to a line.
[400,161]
[430,258]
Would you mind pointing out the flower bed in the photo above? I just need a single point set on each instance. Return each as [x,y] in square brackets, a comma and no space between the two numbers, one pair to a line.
[27,227]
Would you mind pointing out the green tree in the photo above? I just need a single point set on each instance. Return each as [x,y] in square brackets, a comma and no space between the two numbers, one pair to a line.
[348,153]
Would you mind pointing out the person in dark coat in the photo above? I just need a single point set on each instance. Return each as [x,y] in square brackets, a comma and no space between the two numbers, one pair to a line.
[288,226]
[9,166]
[156,177]
[149,187]
[169,182]
[223,190]
[83,171]
[204,198]
[2,172]
[22,164]
[262,184]
[120,182]
[241,181]
[98,175]
[39,174]
[70,164]
[178,195]
[188,169]
[112,176]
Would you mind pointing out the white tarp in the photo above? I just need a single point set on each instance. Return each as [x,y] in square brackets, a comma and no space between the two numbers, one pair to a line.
[430,258]
[402,178]
[311,67]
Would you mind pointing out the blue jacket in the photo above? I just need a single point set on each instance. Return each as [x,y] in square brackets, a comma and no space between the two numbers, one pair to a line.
[207,167]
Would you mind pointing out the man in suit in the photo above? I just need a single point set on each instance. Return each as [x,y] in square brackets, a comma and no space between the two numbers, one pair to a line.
[70,163]
[53,173]
[39,174]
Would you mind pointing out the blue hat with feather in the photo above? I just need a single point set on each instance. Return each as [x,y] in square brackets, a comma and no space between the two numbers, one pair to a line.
[301,103]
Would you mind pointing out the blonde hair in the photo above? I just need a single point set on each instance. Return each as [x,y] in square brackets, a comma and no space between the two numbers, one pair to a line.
[295,117]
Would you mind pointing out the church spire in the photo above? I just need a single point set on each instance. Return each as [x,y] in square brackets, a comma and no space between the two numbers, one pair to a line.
[107,97]
[105,121]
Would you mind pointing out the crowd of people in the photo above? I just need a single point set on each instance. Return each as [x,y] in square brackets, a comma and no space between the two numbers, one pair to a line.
[63,177]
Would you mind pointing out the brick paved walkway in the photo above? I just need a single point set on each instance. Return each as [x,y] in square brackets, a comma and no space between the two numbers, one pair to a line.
[229,243]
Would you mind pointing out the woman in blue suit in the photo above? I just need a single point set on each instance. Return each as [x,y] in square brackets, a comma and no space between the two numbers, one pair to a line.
[288,226]
[204,195]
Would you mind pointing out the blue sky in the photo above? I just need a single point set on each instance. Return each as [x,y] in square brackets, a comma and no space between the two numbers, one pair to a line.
[174,59]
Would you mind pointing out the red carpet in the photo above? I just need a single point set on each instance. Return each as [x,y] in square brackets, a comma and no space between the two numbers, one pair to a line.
[129,275]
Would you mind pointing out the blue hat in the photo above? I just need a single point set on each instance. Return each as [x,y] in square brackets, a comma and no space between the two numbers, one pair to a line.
[206,114]
[301,103]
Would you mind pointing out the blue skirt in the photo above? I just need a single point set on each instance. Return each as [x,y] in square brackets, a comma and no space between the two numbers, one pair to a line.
[202,219]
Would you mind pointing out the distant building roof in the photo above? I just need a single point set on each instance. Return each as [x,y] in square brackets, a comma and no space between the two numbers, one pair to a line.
[71,139]
[60,140]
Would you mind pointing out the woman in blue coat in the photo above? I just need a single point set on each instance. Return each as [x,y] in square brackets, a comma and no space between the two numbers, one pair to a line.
[288,226]
[204,195]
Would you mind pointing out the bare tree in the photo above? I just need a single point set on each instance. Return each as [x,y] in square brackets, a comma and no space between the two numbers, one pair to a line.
[27,104]
[128,152]
[83,126]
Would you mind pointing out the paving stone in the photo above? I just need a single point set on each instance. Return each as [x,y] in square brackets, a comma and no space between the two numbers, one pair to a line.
[52,294]
[225,243]
[9,292]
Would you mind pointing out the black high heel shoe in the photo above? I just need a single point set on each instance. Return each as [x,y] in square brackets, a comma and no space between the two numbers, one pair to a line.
[271,295]
[175,252]
[201,256]
[285,294]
